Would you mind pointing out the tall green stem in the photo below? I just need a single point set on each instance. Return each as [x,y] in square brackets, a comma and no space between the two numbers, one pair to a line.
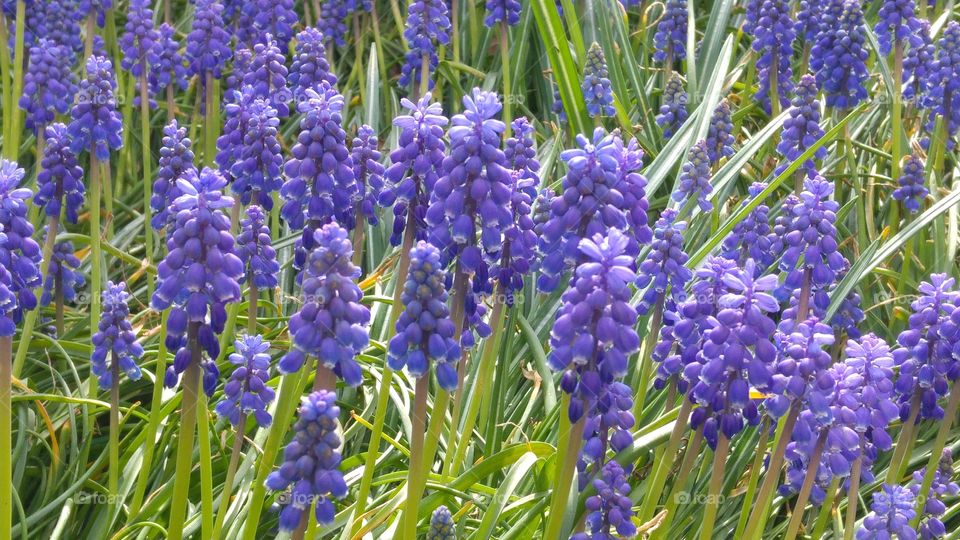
[754,476]
[206,468]
[666,462]
[235,453]
[906,434]
[853,494]
[716,485]
[505,74]
[211,122]
[114,469]
[646,363]
[147,179]
[5,83]
[12,145]
[811,474]
[6,450]
[568,453]
[188,425]
[415,475]
[30,319]
[679,484]
[826,508]
[759,514]
[96,281]
[938,443]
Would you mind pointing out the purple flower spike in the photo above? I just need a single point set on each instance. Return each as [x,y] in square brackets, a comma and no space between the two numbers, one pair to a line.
[176,163]
[518,255]
[838,58]
[167,67]
[610,508]
[49,84]
[810,239]
[441,525]
[94,7]
[773,39]
[912,190]
[918,62]
[256,175]
[934,507]
[425,333]
[259,18]
[62,25]
[65,267]
[19,254]
[890,515]
[311,463]
[896,22]
[502,10]
[593,334]
[695,178]
[416,165]
[208,43]
[332,22]
[247,392]
[255,249]
[557,106]
[200,274]
[522,156]
[720,133]
[60,180]
[673,111]
[664,266]
[267,75]
[96,125]
[9,309]
[472,199]
[332,323]
[802,129]
[751,238]
[596,85]
[310,65]
[942,83]
[139,38]
[670,41]
[115,339]
[368,172]
[428,24]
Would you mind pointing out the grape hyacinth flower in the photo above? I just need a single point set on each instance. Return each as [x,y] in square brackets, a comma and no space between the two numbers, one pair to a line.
[62,25]
[167,67]
[138,39]
[230,143]
[247,392]
[890,515]
[737,354]
[773,39]
[810,238]
[199,275]
[115,339]
[896,22]
[673,111]
[19,254]
[255,249]
[517,257]
[663,267]
[522,156]
[610,508]
[507,11]
[311,462]
[98,8]
[441,525]
[593,334]
[424,331]
[256,174]
[96,125]
[64,271]
[941,84]
[332,22]
[918,62]
[838,58]
[208,43]
[557,105]
[332,323]
[49,84]
[267,75]
[596,85]
[310,65]
[601,190]
[801,130]
[809,15]
[416,165]
[428,25]
[9,309]
[176,163]
[670,41]
[368,172]
[260,18]
[695,178]
[720,134]
[60,180]
[751,238]
[912,190]
[933,507]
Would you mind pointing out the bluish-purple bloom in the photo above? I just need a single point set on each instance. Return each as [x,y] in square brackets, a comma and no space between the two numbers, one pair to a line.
[167,66]
[838,58]
[64,270]
[912,190]
[695,178]
[96,8]
[801,130]
[19,253]
[609,509]
[518,255]
[49,84]
[95,124]
[259,18]
[934,508]
[176,163]
[428,25]
[596,86]
[810,239]
[773,39]
[139,38]
[425,333]
[942,83]
[368,172]
[332,22]
[441,525]
[670,41]
[751,237]
[115,340]
[247,392]
[522,156]
[267,76]
[256,174]
[896,22]
[673,111]
[918,62]
[890,515]
[507,11]
[332,323]
[60,180]
[310,65]
[311,462]
[255,249]
[720,133]
[208,43]
[663,268]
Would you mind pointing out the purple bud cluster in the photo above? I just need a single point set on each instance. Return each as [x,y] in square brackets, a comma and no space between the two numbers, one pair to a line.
[64,270]
[139,38]
[610,508]
[507,11]
[176,163]
[256,174]
[596,86]
[522,156]
[208,43]
[663,268]
[838,58]
[890,515]
[259,19]
[255,249]
[809,237]
[751,238]
[60,180]
[311,462]
[695,178]
[896,22]
[428,24]
[801,130]
[199,275]
[247,392]
[115,339]
[267,76]
[424,331]
[332,21]
[368,172]
[19,254]
[670,41]
[912,190]
[310,65]
[941,95]
[774,34]
[720,133]
[167,66]
[934,508]
[49,84]
[96,125]
[673,111]
[441,525]
[332,323]
[416,165]
[918,62]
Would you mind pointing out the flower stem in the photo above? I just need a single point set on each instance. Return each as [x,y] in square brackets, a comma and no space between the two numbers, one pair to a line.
[754,476]
[147,179]
[114,470]
[646,367]
[568,451]
[716,485]
[416,473]
[5,77]
[188,424]
[804,496]
[680,483]
[6,450]
[206,469]
[663,466]
[30,318]
[235,453]
[853,493]
[12,145]
[149,440]
[906,435]
[826,509]
[938,443]
[211,122]
[758,516]
[505,74]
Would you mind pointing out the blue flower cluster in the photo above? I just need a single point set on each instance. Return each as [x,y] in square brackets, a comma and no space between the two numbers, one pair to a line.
[63,272]
[596,86]
[522,156]
[49,84]
[801,130]
[332,21]
[368,171]
[610,508]
[60,180]
[256,174]
[695,177]
[428,24]
[670,41]
[838,58]
[673,111]
[310,65]
[176,163]
[19,254]
[247,392]
[167,67]
[943,82]
[96,125]
[918,62]
[890,515]
[507,11]
[441,525]
[934,508]
[139,38]
[663,268]
[896,22]
[751,237]
[720,133]
[208,43]
[912,190]
[259,18]
[115,339]
[809,238]
[267,76]
[773,39]
[255,249]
